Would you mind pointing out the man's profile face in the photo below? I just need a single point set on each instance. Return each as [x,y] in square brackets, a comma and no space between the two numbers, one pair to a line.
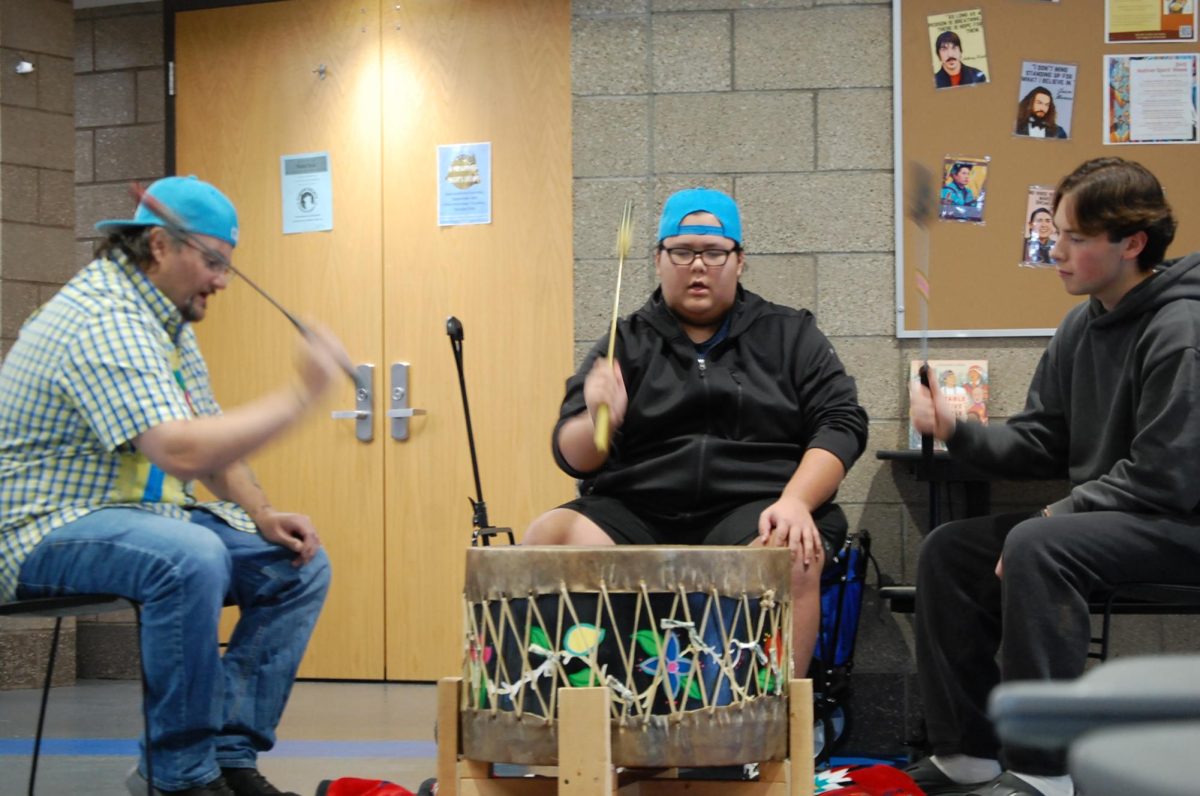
[963,176]
[951,57]
[1041,105]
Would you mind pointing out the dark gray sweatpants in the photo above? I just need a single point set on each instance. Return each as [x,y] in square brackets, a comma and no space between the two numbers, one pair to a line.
[1036,617]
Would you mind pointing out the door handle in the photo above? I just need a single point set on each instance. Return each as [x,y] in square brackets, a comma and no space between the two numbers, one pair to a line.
[361,414]
[400,412]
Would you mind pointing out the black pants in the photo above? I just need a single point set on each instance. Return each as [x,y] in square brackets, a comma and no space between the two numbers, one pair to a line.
[1036,617]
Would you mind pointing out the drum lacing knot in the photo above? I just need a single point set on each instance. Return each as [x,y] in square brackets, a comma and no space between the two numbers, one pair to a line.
[768,598]
[617,687]
[543,670]
[694,638]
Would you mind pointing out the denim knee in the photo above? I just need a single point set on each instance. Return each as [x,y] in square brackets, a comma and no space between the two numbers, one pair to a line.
[199,563]
[319,572]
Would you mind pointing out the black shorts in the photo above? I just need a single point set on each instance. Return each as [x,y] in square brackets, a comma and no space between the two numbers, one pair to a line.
[738,525]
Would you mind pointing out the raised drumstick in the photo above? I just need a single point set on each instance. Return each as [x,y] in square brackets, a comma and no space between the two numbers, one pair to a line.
[624,241]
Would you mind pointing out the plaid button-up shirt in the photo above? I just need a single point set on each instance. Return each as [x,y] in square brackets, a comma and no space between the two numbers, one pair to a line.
[108,358]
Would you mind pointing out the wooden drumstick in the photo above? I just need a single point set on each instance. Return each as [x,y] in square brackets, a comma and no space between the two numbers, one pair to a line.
[624,241]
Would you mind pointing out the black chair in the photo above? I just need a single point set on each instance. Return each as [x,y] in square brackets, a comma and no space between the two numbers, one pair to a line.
[75,605]
[1169,599]
[1148,599]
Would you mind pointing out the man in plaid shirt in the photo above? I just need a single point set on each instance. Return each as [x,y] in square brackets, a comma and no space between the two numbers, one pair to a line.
[106,419]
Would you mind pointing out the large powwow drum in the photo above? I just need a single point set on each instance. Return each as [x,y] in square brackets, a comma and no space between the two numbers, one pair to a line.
[692,643]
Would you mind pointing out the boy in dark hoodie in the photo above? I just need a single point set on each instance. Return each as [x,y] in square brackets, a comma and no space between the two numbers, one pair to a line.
[1114,407]
[733,420]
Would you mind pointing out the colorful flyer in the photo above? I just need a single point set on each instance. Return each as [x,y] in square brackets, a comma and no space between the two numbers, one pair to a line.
[964,188]
[1040,233]
[959,53]
[464,184]
[1045,100]
[1150,99]
[1130,21]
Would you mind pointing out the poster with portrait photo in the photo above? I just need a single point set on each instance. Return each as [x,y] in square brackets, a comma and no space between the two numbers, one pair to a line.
[963,188]
[1045,100]
[1040,233]
[959,53]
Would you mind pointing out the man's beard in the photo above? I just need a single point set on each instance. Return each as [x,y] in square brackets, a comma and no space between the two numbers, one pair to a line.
[190,312]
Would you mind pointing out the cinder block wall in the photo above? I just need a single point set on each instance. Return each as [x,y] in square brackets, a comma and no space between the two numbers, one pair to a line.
[73,135]
[120,100]
[36,217]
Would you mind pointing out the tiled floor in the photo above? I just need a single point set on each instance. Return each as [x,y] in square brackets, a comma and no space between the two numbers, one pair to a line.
[375,730]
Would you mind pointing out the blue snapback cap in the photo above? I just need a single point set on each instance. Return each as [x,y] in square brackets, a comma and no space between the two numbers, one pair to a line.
[682,204]
[200,206]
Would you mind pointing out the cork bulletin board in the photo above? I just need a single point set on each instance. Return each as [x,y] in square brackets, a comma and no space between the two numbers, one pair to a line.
[977,286]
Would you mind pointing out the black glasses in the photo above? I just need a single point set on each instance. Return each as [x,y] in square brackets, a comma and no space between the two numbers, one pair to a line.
[213,259]
[712,258]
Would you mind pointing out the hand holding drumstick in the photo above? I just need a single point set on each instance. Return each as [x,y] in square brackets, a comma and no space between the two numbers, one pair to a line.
[602,415]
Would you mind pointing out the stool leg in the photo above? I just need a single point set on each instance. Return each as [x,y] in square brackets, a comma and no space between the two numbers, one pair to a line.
[584,743]
[37,739]
[137,615]
[448,696]
[800,737]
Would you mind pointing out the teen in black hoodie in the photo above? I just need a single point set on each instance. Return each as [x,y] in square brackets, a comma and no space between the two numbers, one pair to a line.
[733,419]
[1115,408]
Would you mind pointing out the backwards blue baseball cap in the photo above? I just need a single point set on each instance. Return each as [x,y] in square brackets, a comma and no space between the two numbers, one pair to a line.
[201,208]
[682,204]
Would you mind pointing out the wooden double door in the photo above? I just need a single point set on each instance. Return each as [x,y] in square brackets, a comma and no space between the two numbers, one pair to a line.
[379,86]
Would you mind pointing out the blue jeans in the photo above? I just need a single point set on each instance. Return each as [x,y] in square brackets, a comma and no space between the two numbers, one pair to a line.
[206,711]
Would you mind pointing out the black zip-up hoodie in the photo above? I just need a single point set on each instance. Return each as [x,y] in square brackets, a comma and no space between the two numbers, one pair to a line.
[726,427]
[1114,405]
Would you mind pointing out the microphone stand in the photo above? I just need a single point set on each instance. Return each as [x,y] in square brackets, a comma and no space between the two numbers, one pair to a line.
[484,531]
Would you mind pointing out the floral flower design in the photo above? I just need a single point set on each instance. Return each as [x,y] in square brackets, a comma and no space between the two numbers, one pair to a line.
[676,667]
[580,639]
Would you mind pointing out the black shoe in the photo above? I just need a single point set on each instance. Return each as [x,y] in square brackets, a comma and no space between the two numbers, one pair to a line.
[934,781]
[248,782]
[1007,784]
[136,784]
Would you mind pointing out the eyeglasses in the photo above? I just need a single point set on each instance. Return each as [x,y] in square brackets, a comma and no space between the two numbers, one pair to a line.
[712,258]
[213,260]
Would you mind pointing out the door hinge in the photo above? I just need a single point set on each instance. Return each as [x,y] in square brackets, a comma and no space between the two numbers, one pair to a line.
[170,78]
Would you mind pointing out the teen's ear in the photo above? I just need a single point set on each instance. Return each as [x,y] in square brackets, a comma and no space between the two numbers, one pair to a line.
[1134,245]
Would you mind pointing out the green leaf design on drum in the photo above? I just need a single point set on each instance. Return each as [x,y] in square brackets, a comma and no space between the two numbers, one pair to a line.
[538,638]
[583,678]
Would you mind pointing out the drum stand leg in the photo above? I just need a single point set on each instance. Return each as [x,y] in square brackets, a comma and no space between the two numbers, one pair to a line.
[463,777]
[584,743]
[448,693]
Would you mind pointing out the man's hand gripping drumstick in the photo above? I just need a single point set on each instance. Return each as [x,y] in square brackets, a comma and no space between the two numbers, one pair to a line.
[607,388]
